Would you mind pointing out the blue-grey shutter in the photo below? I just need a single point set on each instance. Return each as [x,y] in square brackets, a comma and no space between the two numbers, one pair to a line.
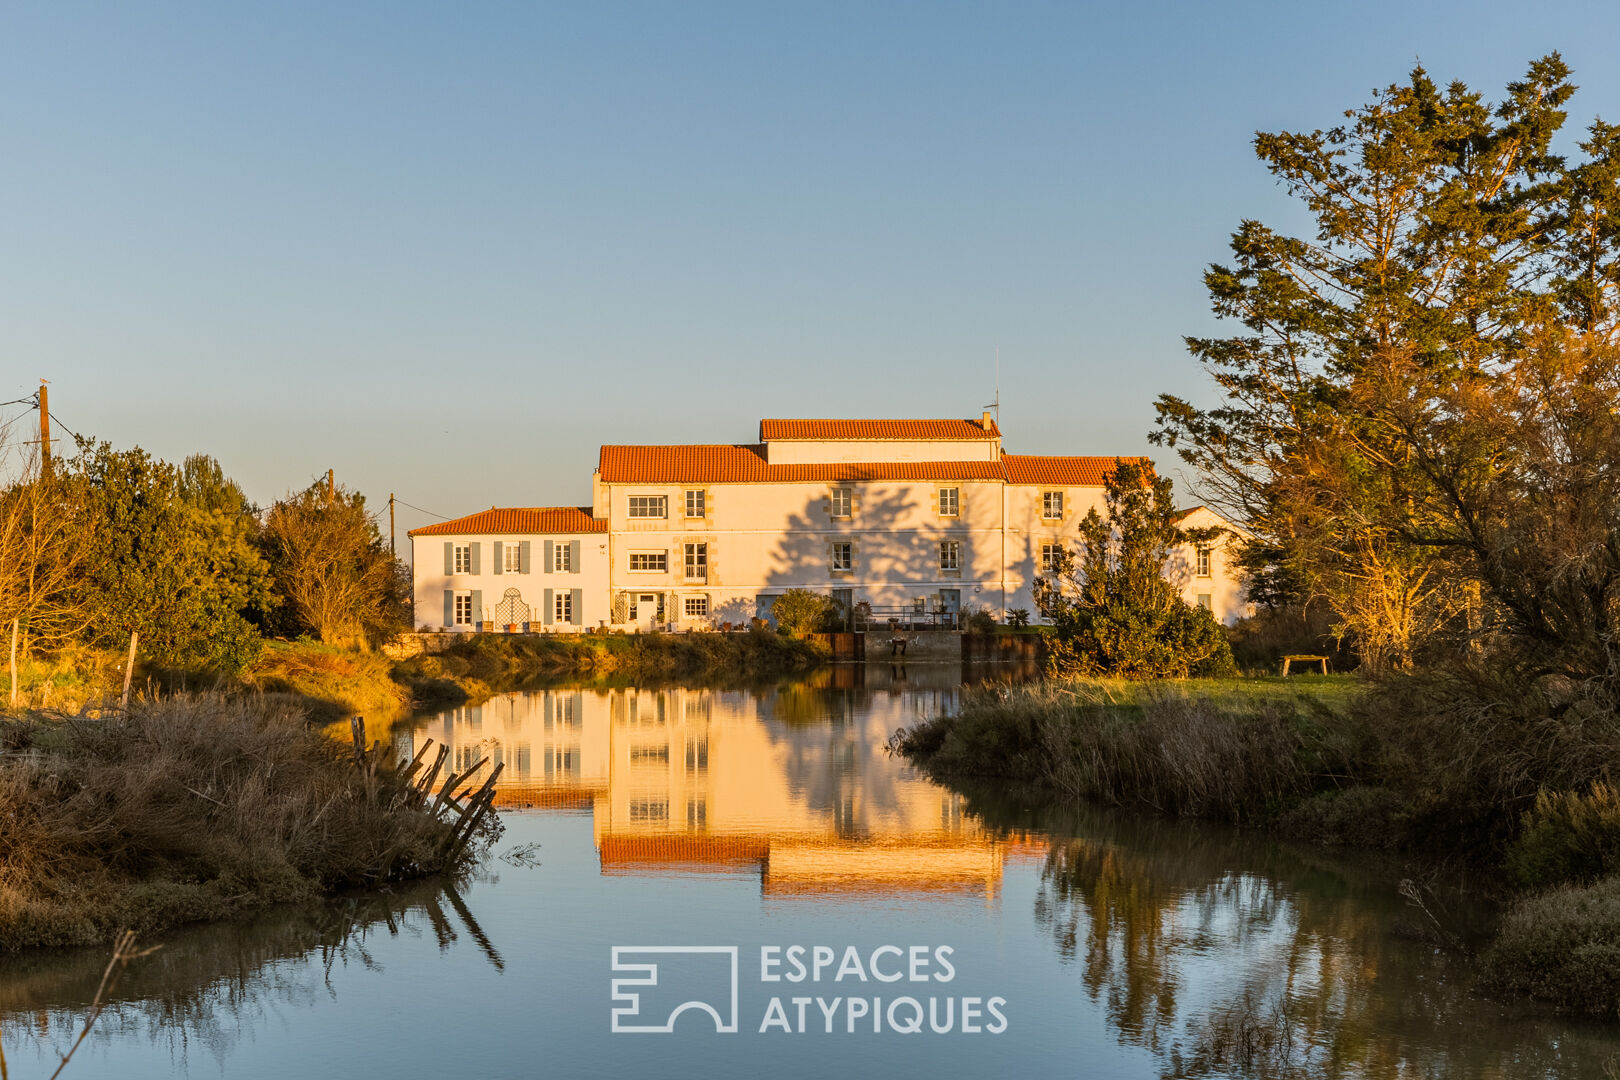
[573,556]
[497,558]
[478,603]
[579,599]
[449,557]
[475,545]
[523,557]
[548,561]
[449,608]
[548,614]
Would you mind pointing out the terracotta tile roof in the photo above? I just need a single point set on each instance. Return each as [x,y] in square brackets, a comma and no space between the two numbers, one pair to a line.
[1067,471]
[521,520]
[747,464]
[862,430]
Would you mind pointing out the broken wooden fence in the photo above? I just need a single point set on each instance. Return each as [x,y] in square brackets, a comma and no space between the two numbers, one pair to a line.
[459,800]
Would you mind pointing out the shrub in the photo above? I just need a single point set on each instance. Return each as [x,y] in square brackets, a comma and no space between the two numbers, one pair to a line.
[799,612]
[1018,617]
[1471,747]
[979,622]
[1568,838]
[1562,947]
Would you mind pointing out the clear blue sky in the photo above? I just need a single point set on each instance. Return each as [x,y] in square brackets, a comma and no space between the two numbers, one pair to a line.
[450,249]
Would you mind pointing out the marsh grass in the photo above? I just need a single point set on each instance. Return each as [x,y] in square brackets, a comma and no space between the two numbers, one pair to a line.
[1239,750]
[190,808]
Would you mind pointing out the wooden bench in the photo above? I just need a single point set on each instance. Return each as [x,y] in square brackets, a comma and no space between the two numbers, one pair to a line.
[1289,661]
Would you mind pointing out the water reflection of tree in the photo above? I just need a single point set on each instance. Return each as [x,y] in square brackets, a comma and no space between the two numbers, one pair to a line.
[1229,957]
[209,985]
[1101,910]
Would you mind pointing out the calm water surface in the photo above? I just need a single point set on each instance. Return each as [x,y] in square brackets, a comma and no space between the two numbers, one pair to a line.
[1075,942]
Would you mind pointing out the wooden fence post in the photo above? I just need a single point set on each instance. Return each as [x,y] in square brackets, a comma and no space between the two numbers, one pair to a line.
[129,667]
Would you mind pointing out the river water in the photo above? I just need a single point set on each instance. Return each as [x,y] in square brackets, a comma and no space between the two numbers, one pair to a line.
[704,883]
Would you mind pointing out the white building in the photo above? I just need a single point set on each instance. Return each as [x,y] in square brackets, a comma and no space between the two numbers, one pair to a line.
[928,515]
[904,516]
[1207,573]
[525,568]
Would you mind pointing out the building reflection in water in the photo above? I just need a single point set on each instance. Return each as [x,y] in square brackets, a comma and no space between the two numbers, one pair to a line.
[793,783]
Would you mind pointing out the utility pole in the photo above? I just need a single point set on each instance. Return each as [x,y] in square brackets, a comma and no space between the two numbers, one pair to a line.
[391,523]
[44,428]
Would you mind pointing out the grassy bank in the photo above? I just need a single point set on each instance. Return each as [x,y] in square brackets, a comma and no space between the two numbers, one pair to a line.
[474,665]
[191,808]
[1239,750]
[1506,774]
[331,683]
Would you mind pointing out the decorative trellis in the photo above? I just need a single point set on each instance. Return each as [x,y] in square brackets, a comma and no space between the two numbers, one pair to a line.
[511,610]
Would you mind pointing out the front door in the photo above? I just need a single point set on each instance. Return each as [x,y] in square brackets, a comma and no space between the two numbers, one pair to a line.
[644,610]
[950,602]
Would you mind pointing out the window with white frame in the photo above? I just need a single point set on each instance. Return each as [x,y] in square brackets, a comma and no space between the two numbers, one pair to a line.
[649,506]
[562,557]
[1201,557]
[696,607]
[512,559]
[649,561]
[695,503]
[695,558]
[842,502]
[1206,601]
[1050,557]
[463,609]
[649,809]
[1052,505]
[564,606]
[463,560]
[949,499]
[950,554]
[843,555]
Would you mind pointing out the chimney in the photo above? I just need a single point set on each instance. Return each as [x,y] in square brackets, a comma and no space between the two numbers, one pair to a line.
[986,422]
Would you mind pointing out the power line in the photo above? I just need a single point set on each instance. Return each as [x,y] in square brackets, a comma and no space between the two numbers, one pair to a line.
[58,421]
[443,517]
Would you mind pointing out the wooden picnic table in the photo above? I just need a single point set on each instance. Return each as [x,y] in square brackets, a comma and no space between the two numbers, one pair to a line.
[1289,660]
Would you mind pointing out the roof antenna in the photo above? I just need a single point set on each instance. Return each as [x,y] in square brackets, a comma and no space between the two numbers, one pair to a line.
[996,404]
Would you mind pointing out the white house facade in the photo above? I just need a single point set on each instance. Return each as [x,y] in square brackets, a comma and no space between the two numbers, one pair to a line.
[1206,572]
[927,519]
[518,569]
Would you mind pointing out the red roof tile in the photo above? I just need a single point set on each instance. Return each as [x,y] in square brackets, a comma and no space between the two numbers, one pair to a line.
[926,430]
[747,464]
[1066,471]
[519,520]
